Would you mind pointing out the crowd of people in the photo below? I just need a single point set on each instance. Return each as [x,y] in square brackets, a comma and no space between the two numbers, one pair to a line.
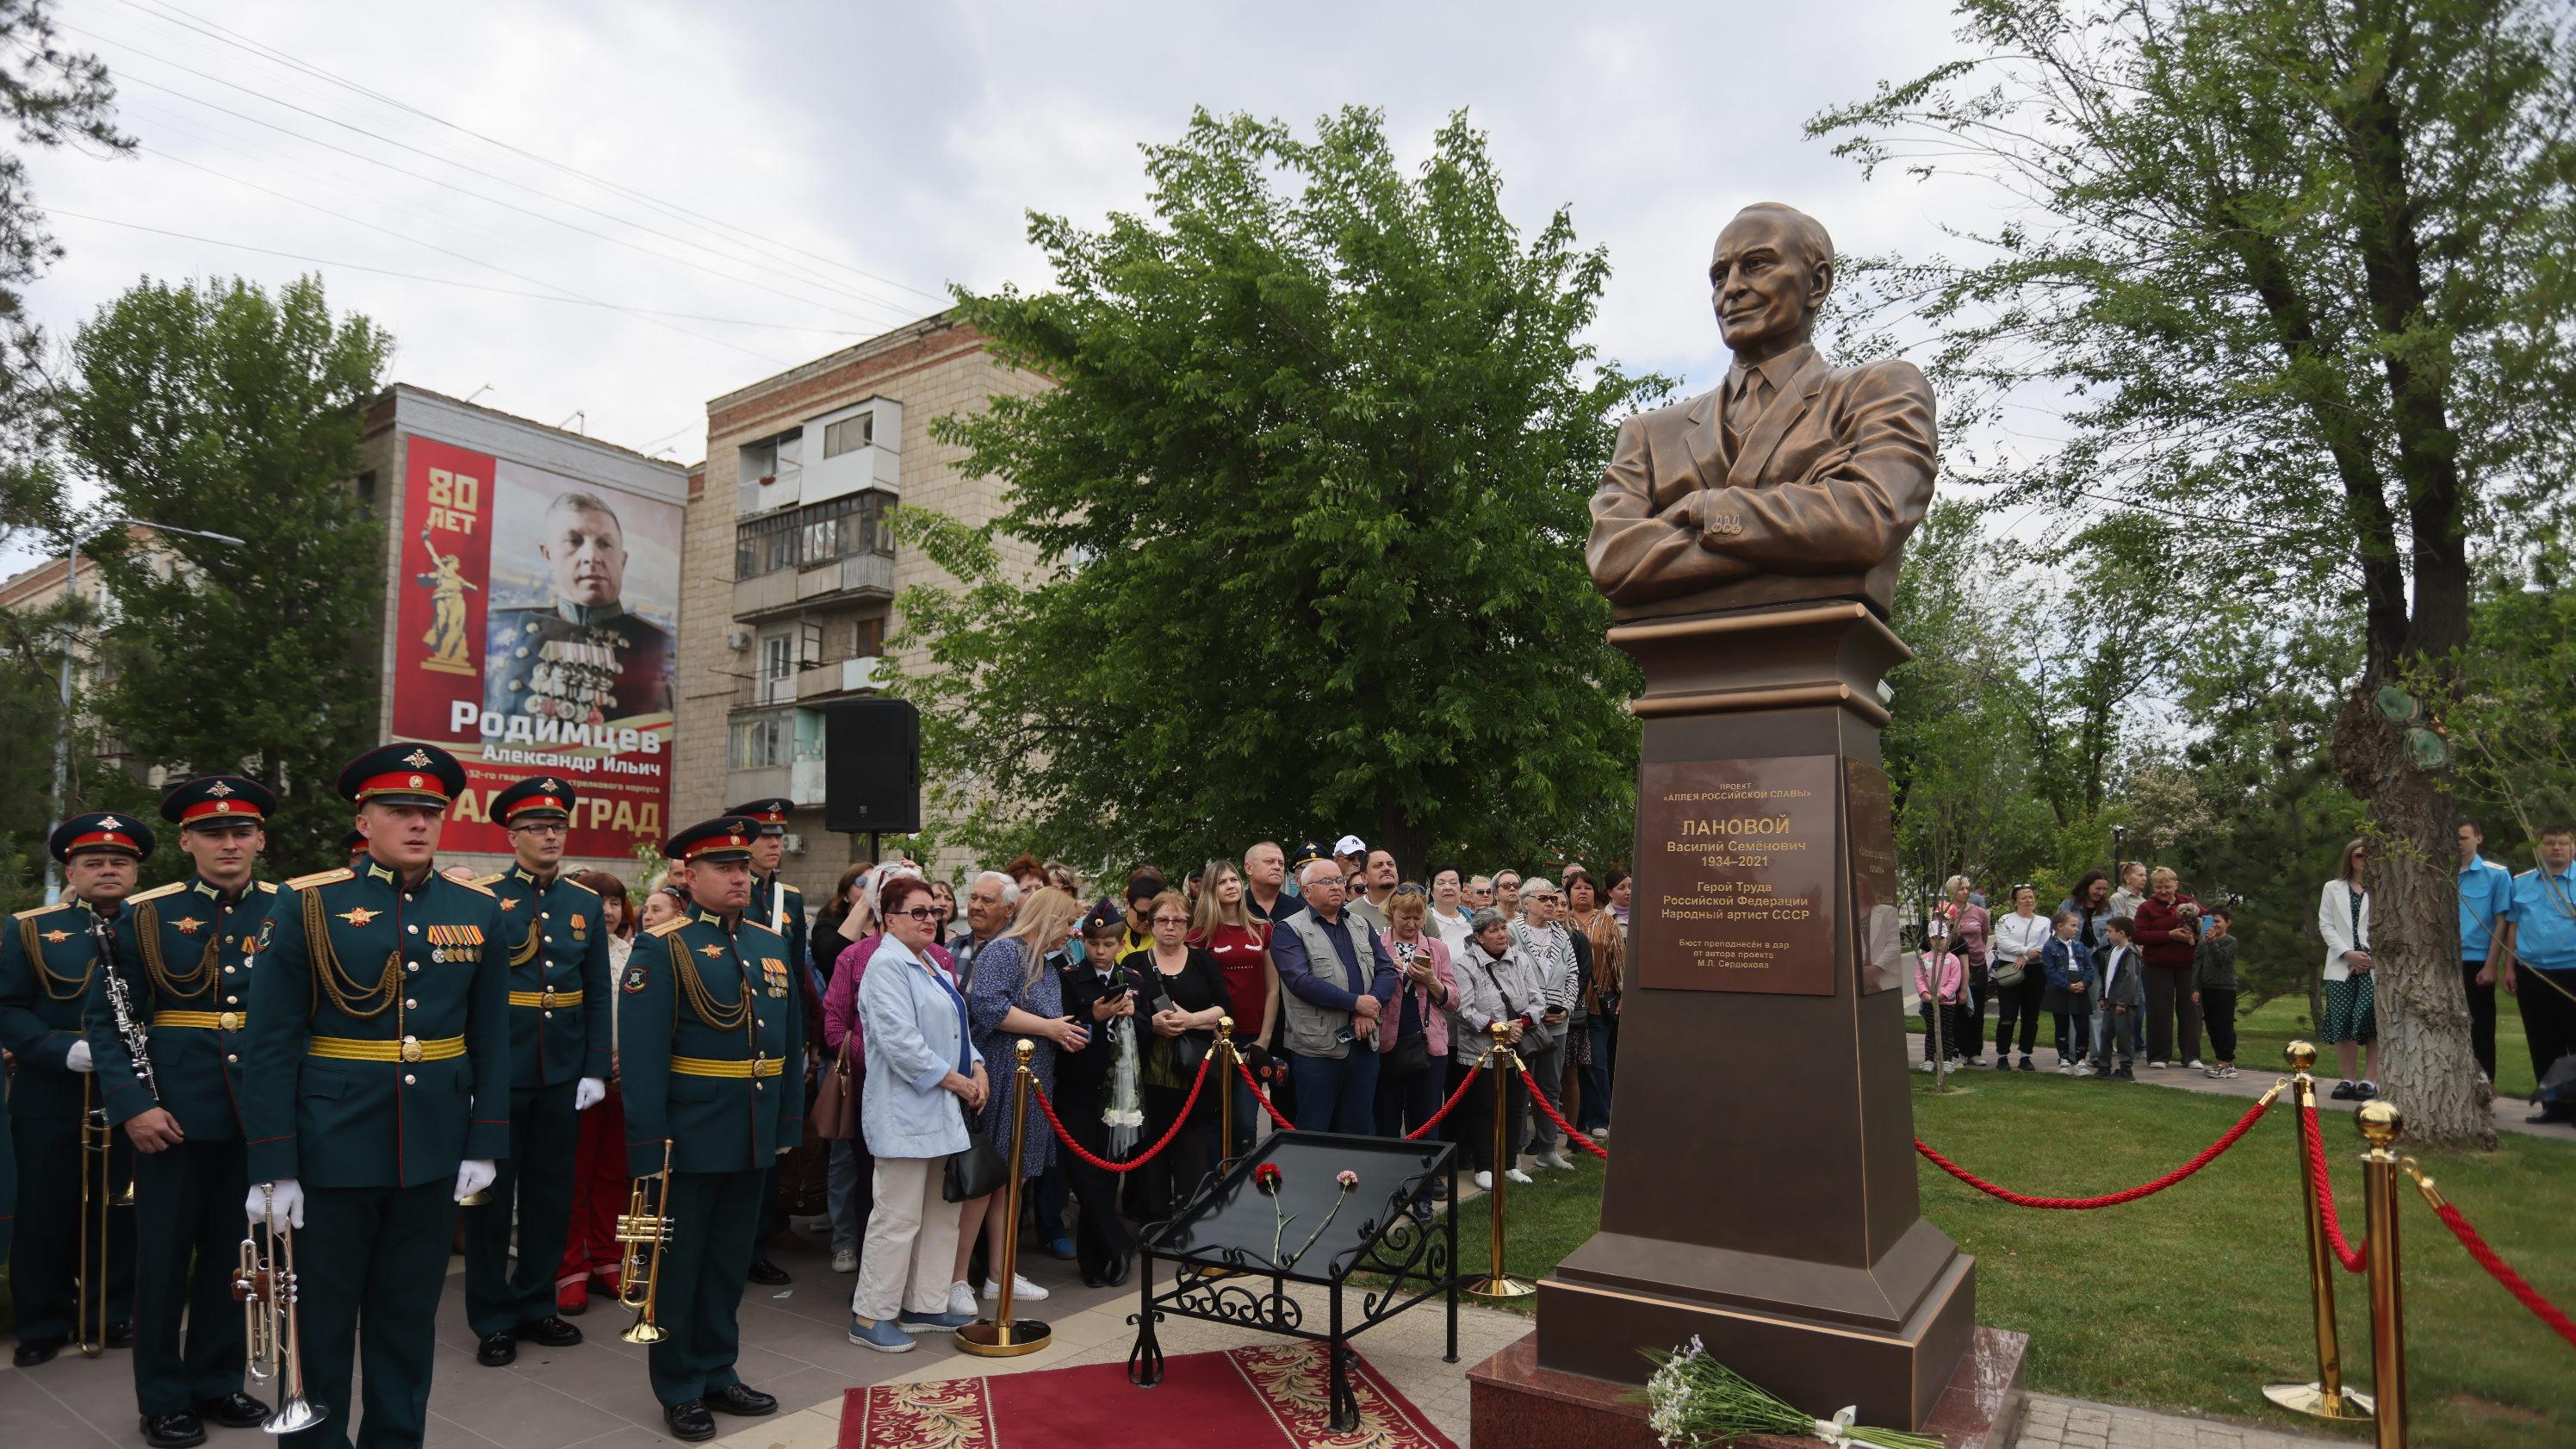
[1359,1000]
[2137,969]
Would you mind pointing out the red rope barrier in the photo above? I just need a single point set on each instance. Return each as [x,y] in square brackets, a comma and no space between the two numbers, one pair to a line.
[2503,1273]
[2352,1258]
[1131,1164]
[1581,1139]
[1262,1097]
[1456,1097]
[2207,1155]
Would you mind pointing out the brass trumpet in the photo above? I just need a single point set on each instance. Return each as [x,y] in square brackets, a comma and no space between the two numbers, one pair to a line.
[265,1284]
[639,1268]
[89,1309]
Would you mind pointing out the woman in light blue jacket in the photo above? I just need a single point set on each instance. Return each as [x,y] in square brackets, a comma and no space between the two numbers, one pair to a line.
[921,1064]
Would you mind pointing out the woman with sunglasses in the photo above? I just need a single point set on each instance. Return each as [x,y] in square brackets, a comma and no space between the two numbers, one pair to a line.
[2016,980]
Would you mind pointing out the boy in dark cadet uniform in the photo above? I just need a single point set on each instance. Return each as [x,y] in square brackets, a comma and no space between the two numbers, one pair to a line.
[181,951]
[559,1043]
[780,907]
[377,1089]
[48,961]
[711,1033]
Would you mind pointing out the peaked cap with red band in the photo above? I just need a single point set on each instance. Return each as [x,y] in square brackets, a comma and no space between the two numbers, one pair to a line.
[768,817]
[99,830]
[727,837]
[212,800]
[538,798]
[403,774]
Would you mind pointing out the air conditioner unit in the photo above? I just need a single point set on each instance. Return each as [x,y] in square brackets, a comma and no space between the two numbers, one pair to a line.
[795,843]
[738,640]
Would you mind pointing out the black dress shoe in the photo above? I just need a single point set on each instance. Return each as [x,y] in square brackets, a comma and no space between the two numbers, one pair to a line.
[689,1421]
[496,1350]
[235,1410]
[120,1335]
[172,1431]
[765,1271]
[551,1331]
[1116,1277]
[742,1400]
[33,1351]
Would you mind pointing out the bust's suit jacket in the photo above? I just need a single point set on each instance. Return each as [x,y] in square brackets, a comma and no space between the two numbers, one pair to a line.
[1829,477]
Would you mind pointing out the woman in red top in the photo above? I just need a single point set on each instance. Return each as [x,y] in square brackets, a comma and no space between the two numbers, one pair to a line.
[2168,935]
[1223,924]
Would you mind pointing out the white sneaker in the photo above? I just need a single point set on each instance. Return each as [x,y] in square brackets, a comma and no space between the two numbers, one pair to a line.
[961,1297]
[845,1260]
[2197,1065]
[2065,1068]
[1516,1175]
[1555,1160]
[1485,1180]
[1600,1134]
[2084,1071]
[1923,1066]
[1020,1288]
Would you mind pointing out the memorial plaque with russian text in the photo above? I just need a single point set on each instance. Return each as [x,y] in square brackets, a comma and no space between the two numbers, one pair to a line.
[1869,823]
[1735,876]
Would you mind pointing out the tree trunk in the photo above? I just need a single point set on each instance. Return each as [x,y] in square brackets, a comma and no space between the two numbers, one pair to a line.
[2426,1067]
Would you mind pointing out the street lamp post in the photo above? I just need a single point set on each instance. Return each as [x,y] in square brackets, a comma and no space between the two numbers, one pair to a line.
[63,730]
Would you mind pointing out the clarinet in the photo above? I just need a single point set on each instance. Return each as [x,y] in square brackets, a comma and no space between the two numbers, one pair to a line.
[121,1001]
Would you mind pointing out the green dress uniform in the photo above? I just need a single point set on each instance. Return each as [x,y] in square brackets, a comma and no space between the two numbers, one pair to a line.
[559,1034]
[379,1060]
[181,951]
[48,959]
[781,907]
[710,1031]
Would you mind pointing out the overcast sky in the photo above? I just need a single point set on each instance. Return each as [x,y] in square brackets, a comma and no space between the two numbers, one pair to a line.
[834,167]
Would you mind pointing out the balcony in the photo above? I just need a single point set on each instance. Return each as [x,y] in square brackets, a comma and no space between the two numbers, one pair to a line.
[817,682]
[784,591]
[801,782]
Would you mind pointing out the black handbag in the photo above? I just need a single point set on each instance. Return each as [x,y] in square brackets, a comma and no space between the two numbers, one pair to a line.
[1411,1053]
[979,1171]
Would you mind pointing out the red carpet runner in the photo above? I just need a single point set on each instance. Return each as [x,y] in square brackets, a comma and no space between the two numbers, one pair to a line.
[1244,1398]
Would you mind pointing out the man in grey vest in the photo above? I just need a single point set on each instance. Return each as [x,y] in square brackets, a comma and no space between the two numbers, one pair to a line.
[1336,977]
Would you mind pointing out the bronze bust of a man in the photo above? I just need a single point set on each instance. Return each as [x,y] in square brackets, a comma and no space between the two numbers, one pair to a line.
[1792,481]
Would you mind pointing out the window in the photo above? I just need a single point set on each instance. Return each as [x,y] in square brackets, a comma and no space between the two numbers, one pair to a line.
[818,533]
[849,435]
[762,742]
[776,683]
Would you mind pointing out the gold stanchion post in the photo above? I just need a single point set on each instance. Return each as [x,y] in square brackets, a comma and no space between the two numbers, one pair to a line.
[2380,1123]
[1224,1070]
[2327,1398]
[1005,1336]
[1496,1283]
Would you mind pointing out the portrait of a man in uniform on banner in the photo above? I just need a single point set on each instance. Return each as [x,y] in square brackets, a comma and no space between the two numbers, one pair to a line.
[564,641]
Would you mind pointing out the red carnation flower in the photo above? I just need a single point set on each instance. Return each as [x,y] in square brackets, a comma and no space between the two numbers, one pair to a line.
[1267,1178]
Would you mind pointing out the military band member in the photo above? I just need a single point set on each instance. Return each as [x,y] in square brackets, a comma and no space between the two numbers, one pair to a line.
[377,1088]
[710,1056]
[559,1041]
[780,907]
[48,959]
[180,952]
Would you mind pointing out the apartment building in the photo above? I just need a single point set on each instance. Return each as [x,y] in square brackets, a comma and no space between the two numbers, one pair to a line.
[790,570]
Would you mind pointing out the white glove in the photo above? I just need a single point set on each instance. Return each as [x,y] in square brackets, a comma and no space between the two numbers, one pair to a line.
[77,1057]
[473,1175]
[589,1092]
[282,1199]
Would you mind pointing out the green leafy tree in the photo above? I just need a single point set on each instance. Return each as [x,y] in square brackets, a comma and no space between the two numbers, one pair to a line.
[2301,272]
[217,406]
[1294,545]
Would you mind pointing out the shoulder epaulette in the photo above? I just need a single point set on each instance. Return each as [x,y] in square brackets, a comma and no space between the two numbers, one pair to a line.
[664,929]
[576,885]
[488,881]
[476,885]
[266,887]
[34,911]
[321,878]
[156,893]
[765,929]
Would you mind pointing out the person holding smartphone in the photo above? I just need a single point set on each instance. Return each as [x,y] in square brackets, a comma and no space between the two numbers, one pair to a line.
[1183,996]
[1097,1096]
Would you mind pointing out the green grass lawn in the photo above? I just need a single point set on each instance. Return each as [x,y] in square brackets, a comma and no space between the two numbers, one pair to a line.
[2191,1300]
[2263,1033]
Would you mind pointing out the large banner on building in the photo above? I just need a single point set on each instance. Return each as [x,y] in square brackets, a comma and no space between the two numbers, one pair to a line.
[535,638]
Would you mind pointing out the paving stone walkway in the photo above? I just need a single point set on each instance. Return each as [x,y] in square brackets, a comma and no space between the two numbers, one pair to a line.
[2054,1423]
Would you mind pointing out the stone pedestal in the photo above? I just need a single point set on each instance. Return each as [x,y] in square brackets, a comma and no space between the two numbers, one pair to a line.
[1515,1404]
[1761,1191]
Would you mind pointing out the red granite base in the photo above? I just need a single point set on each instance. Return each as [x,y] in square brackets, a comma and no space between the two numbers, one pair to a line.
[1515,1404]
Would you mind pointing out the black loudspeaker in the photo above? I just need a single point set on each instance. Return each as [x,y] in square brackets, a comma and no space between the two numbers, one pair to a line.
[872,766]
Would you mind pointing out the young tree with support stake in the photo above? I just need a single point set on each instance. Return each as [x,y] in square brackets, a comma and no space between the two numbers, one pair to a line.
[2300,272]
